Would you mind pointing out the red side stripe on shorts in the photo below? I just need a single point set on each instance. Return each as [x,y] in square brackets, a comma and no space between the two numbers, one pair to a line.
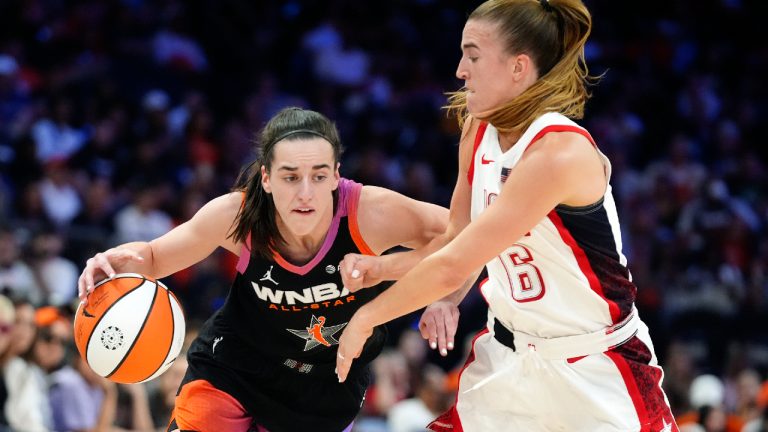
[634,392]
[478,139]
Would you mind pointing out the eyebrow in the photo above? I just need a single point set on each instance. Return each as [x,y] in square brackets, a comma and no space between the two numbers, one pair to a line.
[469,45]
[294,168]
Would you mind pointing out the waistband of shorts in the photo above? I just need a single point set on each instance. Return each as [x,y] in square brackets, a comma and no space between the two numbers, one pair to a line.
[566,347]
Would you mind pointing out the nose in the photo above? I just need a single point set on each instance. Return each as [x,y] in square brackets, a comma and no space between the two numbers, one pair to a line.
[461,72]
[305,189]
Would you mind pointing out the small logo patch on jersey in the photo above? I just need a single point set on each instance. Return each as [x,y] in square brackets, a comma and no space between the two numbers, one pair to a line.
[317,334]
[485,161]
[330,269]
[216,342]
[505,174]
[268,276]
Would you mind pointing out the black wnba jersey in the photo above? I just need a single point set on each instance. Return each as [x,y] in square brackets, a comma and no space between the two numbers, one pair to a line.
[296,314]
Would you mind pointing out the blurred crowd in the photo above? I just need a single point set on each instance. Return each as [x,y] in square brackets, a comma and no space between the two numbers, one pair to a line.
[120,118]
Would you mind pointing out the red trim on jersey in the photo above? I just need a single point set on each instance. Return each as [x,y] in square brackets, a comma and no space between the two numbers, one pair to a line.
[634,392]
[354,228]
[478,138]
[561,128]
[584,265]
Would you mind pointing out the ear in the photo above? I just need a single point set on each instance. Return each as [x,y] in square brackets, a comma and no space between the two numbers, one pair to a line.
[265,180]
[336,176]
[521,67]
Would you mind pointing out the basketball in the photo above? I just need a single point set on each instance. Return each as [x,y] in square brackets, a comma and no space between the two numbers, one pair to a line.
[131,329]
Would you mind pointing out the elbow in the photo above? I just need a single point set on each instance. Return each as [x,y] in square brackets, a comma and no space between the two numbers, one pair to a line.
[436,227]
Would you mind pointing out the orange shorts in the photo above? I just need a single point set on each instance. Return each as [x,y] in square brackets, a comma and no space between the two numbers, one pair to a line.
[200,407]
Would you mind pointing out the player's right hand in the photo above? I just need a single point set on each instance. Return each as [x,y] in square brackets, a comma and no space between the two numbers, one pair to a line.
[438,325]
[360,271]
[100,266]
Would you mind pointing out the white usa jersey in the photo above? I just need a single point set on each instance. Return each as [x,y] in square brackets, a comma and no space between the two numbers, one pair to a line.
[567,276]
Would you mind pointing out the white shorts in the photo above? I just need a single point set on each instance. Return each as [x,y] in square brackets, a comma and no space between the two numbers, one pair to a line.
[505,390]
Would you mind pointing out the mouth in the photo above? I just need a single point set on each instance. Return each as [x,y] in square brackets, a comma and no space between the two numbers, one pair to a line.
[303,211]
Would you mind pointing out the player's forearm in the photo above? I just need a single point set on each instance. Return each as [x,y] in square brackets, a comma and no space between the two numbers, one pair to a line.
[457,296]
[430,280]
[395,266]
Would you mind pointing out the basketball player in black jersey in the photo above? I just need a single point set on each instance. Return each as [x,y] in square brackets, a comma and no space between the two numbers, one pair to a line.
[265,361]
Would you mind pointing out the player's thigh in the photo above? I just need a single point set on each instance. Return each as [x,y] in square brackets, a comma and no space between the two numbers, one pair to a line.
[201,407]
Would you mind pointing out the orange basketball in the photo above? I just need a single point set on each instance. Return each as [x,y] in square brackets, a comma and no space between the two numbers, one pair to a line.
[131,330]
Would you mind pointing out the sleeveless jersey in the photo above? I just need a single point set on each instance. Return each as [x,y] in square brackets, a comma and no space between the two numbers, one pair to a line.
[567,276]
[272,345]
[295,314]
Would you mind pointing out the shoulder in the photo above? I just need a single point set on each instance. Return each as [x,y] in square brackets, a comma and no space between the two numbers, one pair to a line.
[375,203]
[377,209]
[562,148]
[232,199]
[223,205]
[572,161]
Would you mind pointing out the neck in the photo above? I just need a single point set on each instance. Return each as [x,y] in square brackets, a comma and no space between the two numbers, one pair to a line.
[507,140]
[300,249]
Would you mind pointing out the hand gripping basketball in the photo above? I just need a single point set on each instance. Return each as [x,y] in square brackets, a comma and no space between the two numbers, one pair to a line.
[131,329]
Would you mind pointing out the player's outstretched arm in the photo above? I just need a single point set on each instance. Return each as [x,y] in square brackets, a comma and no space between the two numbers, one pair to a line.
[178,249]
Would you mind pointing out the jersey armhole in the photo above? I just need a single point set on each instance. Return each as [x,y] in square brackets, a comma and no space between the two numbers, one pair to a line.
[353,201]
[478,139]
[561,128]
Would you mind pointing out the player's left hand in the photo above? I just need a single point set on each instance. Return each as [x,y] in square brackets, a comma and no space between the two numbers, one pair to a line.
[360,271]
[351,345]
[438,325]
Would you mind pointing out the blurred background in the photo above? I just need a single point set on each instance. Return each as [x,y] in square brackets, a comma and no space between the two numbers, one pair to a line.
[120,118]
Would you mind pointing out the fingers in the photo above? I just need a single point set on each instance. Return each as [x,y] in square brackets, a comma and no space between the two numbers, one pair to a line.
[451,325]
[101,264]
[81,290]
[438,325]
[351,272]
[350,347]
[343,363]
[90,268]
[441,338]
[428,328]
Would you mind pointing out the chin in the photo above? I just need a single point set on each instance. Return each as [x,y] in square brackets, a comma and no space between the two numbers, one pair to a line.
[473,107]
[303,228]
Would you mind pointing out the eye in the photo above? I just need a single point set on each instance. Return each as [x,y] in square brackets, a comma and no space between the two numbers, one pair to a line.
[290,179]
[472,59]
[320,177]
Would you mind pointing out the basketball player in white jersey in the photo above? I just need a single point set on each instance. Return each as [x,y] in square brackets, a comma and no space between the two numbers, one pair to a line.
[564,348]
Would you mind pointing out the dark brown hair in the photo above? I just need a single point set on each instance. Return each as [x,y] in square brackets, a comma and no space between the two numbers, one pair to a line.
[257,217]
